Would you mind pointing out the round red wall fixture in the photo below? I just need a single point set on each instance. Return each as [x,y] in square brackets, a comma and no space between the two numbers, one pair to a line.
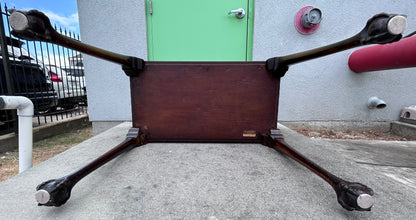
[298,22]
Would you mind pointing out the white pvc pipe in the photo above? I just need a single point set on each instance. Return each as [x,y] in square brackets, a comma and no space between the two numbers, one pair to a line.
[25,113]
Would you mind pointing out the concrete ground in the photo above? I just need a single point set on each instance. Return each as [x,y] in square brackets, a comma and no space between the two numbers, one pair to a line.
[219,181]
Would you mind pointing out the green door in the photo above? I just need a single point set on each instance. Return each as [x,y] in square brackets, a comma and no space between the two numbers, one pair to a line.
[199,30]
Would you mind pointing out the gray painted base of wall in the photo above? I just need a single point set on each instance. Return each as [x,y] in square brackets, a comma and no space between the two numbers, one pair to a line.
[101,126]
[380,126]
[399,128]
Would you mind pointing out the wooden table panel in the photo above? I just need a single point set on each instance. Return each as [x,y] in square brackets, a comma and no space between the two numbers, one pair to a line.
[205,101]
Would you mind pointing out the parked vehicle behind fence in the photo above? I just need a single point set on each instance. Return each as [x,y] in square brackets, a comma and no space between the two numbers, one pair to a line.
[30,75]
[70,88]
[28,78]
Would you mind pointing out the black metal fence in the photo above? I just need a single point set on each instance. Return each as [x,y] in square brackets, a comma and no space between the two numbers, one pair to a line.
[51,76]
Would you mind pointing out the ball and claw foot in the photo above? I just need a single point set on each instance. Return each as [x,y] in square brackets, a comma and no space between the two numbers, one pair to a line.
[355,196]
[54,192]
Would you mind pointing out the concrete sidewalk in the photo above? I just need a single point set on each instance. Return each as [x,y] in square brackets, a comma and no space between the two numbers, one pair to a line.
[219,181]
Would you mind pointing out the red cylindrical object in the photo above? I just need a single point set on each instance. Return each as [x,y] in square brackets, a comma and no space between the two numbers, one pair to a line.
[396,55]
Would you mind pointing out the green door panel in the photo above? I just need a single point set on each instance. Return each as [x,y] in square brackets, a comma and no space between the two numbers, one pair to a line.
[198,30]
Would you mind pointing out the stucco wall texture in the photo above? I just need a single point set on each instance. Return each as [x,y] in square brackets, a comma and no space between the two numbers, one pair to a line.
[323,89]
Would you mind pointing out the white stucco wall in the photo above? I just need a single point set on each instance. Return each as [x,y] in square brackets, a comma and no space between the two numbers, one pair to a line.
[325,89]
[319,90]
[118,26]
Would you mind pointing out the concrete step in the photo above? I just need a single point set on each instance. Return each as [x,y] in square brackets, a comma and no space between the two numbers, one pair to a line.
[403,129]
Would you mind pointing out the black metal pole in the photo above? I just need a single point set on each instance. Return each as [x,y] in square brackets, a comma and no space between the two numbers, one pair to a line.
[5,55]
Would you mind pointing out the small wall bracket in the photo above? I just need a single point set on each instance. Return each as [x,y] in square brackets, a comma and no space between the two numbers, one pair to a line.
[277,69]
[135,67]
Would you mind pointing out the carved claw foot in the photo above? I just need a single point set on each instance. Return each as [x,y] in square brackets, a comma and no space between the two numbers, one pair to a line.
[54,192]
[354,196]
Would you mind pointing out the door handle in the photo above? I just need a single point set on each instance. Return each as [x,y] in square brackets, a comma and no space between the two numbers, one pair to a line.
[239,13]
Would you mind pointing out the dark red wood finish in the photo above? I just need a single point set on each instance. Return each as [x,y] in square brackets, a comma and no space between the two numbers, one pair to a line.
[205,101]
